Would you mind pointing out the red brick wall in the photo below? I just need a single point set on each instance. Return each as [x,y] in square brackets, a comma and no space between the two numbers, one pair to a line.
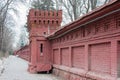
[118,61]
[65,56]
[24,53]
[56,56]
[87,50]
[91,49]
[44,56]
[78,54]
[100,57]
[40,56]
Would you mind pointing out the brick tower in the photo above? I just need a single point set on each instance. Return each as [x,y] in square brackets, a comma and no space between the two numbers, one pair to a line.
[41,23]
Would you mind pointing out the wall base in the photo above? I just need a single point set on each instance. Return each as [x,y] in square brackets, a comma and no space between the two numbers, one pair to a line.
[32,68]
[66,75]
[43,67]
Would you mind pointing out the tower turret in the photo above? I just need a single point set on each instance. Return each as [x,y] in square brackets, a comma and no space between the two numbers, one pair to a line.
[43,22]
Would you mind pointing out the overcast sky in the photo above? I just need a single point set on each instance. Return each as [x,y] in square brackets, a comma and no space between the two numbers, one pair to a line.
[21,20]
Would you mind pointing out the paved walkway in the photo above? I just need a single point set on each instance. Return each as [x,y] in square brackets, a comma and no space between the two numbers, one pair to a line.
[16,69]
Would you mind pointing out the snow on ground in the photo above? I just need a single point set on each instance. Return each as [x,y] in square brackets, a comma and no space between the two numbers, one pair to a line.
[16,69]
[2,65]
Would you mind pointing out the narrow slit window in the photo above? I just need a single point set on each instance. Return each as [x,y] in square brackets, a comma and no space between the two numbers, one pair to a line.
[35,13]
[44,33]
[44,21]
[35,21]
[48,21]
[52,22]
[57,22]
[41,48]
[39,21]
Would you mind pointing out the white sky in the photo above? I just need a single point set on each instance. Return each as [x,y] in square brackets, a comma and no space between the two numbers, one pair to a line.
[21,20]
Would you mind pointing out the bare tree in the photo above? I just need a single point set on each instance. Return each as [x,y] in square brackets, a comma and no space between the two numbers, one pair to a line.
[75,8]
[3,12]
[6,33]
[7,40]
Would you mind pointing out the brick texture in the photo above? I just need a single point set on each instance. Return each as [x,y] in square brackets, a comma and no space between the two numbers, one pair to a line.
[78,57]
[65,56]
[100,57]
[56,56]
[118,61]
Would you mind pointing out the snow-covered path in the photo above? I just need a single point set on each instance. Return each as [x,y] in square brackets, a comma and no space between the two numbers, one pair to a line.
[16,69]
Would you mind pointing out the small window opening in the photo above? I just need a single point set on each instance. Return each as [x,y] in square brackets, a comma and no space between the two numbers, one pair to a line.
[35,21]
[52,22]
[57,22]
[41,48]
[48,21]
[39,21]
[44,33]
[35,13]
[44,21]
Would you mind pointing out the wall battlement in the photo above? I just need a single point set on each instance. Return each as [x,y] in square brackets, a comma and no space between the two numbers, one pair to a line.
[45,17]
[47,21]
[45,13]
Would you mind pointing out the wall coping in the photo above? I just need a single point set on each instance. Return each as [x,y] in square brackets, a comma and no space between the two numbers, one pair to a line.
[92,16]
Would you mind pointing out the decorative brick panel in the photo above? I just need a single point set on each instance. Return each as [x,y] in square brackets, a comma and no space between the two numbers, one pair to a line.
[78,57]
[65,56]
[100,57]
[118,62]
[56,56]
